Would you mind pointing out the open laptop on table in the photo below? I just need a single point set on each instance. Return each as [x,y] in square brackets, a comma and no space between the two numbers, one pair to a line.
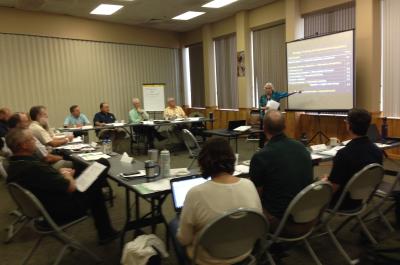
[232,125]
[181,186]
[375,137]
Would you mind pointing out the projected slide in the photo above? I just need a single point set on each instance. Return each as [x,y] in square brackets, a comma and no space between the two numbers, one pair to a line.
[322,68]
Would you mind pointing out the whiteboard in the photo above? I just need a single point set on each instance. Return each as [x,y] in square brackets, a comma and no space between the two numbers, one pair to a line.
[153,97]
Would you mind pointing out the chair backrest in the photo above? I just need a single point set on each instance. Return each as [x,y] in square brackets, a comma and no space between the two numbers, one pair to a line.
[232,234]
[307,206]
[254,118]
[362,185]
[28,204]
[191,143]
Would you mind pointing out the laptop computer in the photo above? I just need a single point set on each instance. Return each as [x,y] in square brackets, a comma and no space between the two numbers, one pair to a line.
[181,186]
[234,124]
[375,137]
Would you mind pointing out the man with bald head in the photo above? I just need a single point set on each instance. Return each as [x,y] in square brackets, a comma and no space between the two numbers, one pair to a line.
[172,111]
[281,169]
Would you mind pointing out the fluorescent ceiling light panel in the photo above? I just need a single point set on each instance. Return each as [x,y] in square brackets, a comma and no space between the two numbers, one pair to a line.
[218,3]
[188,15]
[106,9]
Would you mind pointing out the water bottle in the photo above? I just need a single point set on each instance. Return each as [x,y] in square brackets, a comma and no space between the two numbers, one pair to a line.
[384,128]
[165,163]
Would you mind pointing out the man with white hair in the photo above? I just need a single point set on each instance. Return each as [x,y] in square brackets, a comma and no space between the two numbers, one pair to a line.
[172,111]
[138,114]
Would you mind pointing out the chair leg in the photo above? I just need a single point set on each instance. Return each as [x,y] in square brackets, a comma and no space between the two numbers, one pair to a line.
[60,254]
[312,252]
[340,248]
[79,246]
[270,259]
[29,255]
[191,164]
[385,221]
[343,224]
[14,228]
[366,231]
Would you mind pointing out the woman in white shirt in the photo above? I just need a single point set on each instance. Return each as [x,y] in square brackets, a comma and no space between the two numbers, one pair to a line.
[205,202]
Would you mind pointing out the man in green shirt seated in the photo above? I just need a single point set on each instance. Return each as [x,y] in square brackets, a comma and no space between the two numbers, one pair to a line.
[56,189]
[280,170]
[138,114]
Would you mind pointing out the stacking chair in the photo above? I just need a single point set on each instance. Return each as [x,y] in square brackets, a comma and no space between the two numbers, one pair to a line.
[362,187]
[384,193]
[306,207]
[34,211]
[192,146]
[232,235]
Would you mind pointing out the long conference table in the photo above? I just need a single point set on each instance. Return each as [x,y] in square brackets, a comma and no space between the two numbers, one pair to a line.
[143,189]
[130,127]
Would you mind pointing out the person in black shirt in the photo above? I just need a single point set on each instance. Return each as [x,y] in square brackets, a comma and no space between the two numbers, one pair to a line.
[105,117]
[5,114]
[280,170]
[56,189]
[357,154]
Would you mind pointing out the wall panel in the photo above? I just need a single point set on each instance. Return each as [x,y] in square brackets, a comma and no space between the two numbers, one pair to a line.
[60,72]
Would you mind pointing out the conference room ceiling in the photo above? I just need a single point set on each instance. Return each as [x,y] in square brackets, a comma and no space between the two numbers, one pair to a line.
[147,13]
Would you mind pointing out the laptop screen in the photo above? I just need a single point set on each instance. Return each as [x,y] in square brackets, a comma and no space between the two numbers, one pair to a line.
[181,186]
[234,124]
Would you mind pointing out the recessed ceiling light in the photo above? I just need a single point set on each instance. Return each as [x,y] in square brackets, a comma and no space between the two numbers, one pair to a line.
[106,9]
[188,15]
[218,3]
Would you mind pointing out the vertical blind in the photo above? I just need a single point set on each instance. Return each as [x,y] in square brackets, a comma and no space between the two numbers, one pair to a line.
[390,58]
[225,71]
[340,19]
[269,59]
[58,73]
[196,62]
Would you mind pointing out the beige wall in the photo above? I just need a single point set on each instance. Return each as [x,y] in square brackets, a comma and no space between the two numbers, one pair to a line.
[309,6]
[44,24]
[267,15]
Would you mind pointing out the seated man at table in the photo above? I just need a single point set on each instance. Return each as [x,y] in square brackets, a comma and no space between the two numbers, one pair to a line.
[136,115]
[172,111]
[76,118]
[280,171]
[5,114]
[207,201]
[358,153]
[56,190]
[103,117]
[20,120]
[40,128]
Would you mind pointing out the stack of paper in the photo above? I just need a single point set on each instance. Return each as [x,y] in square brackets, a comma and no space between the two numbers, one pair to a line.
[93,156]
[241,169]
[88,176]
[332,151]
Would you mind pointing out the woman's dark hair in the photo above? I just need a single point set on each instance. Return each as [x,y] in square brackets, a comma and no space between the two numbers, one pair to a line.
[216,157]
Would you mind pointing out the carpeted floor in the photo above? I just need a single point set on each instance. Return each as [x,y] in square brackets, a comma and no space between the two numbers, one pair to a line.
[13,252]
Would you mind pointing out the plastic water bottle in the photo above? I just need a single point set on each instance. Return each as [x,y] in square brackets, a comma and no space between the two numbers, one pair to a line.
[165,163]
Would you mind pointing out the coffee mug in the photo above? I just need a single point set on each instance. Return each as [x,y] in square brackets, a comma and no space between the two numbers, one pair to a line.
[150,169]
[333,141]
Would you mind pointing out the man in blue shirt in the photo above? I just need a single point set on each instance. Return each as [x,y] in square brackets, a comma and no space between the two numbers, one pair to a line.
[76,118]
[105,117]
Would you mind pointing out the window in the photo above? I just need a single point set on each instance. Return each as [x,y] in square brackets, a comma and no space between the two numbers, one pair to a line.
[340,19]
[390,58]
[194,75]
[225,72]
[269,60]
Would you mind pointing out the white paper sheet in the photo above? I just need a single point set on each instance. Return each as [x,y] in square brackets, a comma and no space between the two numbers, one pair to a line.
[273,105]
[241,169]
[93,156]
[89,175]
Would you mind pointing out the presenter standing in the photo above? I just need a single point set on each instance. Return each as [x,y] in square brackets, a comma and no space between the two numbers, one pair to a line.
[270,95]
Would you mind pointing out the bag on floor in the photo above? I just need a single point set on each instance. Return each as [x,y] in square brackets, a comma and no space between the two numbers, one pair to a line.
[144,250]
